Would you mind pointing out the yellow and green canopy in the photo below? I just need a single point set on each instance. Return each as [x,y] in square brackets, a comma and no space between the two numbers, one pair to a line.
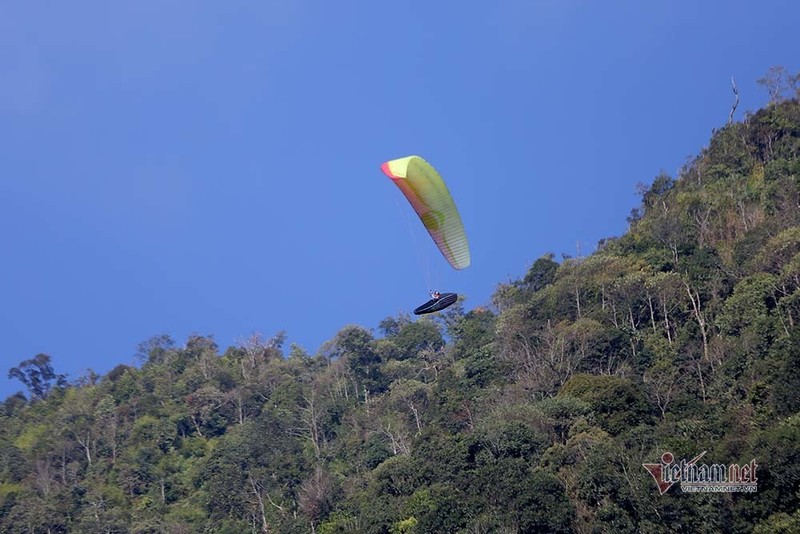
[428,194]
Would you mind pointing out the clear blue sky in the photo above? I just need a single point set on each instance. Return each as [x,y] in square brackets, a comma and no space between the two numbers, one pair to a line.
[178,167]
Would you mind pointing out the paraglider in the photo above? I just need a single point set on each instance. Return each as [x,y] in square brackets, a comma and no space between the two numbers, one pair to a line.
[437,303]
[431,200]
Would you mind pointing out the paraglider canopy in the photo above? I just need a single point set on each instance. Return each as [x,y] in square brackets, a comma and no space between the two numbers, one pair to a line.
[428,194]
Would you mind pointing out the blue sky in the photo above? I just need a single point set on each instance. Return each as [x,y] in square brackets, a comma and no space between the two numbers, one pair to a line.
[178,167]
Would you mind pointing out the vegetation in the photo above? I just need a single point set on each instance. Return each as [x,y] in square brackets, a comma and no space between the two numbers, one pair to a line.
[682,335]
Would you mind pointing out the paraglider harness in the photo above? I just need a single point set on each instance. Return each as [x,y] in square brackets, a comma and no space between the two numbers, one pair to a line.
[437,303]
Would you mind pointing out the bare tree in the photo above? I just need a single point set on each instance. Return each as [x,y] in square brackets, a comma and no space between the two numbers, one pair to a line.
[254,348]
[780,84]
[544,359]
[311,416]
[661,383]
[398,436]
[314,498]
[735,101]
[255,487]
[699,316]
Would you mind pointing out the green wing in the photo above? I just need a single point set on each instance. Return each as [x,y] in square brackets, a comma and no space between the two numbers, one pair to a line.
[428,194]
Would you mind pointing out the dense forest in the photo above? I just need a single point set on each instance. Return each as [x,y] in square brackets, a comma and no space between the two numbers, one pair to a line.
[534,414]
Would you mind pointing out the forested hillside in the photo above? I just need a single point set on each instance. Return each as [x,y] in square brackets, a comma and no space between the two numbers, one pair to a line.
[533,415]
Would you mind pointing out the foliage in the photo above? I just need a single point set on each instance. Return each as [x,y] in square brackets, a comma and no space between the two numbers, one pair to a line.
[681,336]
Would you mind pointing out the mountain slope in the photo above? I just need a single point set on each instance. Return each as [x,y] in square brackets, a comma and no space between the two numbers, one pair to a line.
[681,336]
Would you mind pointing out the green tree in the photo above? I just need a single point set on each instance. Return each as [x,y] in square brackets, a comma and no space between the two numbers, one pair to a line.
[38,376]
